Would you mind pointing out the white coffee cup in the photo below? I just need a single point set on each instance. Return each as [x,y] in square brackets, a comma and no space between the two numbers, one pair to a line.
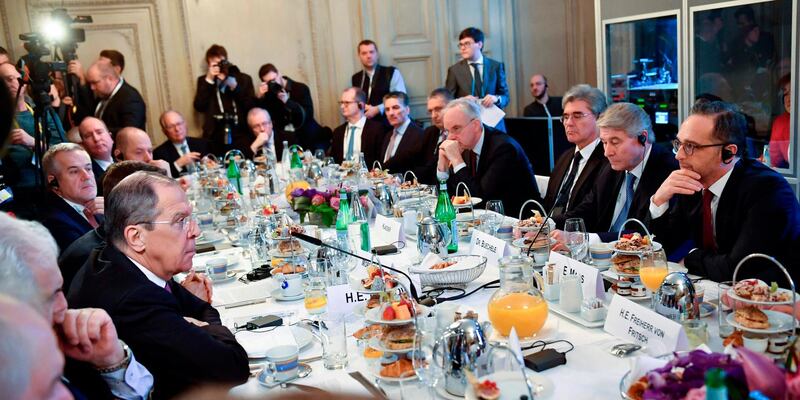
[282,362]
[217,268]
[290,285]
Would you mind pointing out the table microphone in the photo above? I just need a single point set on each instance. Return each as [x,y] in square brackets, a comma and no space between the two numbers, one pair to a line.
[426,301]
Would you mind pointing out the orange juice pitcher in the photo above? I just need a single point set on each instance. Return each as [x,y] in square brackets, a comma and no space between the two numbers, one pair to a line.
[518,303]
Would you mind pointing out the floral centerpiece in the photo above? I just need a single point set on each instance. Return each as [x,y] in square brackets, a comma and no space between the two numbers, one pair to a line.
[319,205]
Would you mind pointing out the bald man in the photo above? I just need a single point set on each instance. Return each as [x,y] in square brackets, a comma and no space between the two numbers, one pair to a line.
[114,101]
[134,144]
[543,104]
[179,150]
[97,141]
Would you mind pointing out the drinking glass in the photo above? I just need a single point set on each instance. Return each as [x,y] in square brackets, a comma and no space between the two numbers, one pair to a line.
[316,298]
[332,334]
[494,215]
[696,332]
[577,239]
[422,355]
[652,272]
[724,308]
[319,154]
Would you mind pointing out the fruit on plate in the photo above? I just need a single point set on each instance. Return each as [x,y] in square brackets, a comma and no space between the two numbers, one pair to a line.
[487,390]
[460,199]
[369,352]
[373,274]
[633,242]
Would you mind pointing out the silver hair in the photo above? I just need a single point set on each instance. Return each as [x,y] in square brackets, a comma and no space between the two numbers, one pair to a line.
[593,96]
[23,246]
[627,117]
[49,159]
[17,356]
[133,201]
[256,110]
[470,108]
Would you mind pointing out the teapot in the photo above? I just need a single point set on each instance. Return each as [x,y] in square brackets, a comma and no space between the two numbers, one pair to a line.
[385,199]
[463,344]
[675,298]
[432,237]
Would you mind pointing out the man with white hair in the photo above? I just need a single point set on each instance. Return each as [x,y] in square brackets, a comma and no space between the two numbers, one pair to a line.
[179,150]
[260,124]
[98,364]
[134,144]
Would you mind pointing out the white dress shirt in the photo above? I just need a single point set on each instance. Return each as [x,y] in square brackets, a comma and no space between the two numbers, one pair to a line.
[480,67]
[149,274]
[357,140]
[105,101]
[637,172]
[103,165]
[77,207]
[396,84]
[179,149]
[586,152]
[400,131]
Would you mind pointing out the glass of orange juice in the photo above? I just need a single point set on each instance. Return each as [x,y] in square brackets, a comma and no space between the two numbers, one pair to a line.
[316,299]
[654,269]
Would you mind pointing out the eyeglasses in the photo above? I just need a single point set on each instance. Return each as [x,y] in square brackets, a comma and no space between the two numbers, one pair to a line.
[341,103]
[183,222]
[457,129]
[689,148]
[465,44]
[576,115]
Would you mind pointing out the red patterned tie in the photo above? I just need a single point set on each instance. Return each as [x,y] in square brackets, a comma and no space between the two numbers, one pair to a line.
[90,217]
[708,222]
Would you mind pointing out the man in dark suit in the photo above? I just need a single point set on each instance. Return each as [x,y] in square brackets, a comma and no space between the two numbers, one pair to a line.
[134,144]
[489,162]
[576,169]
[434,134]
[290,105]
[376,81]
[116,102]
[477,76]
[224,96]
[721,207]
[636,168]
[72,207]
[358,134]
[179,150]
[262,135]
[171,327]
[543,104]
[404,146]
[97,141]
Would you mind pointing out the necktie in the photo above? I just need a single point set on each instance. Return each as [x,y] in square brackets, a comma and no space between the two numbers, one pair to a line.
[471,159]
[90,217]
[562,199]
[477,82]
[101,109]
[167,288]
[390,149]
[630,180]
[351,143]
[708,222]
[184,150]
[365,84]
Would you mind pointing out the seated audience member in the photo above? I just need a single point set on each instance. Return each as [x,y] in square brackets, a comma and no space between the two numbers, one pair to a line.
[576,169]
[73,257]
[97,141]
[358,134]
[224,95]
[115,101]
[779,138]
[179,150]
[635,170]
[98,365]
[491,163]
[403,147]
[72,207]
[171,327]
[290,105]
[134,144]
[543,104]
[434,134]
[721,206]
[115,58]
[375,81]
[263,135]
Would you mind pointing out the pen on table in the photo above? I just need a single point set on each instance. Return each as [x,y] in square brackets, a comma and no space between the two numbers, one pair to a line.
[245,303]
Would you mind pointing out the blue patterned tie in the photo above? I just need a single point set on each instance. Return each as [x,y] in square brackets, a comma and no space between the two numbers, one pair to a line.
[630,180]
[351,143]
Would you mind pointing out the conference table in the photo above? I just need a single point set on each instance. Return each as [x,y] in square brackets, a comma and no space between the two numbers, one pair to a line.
[591,371]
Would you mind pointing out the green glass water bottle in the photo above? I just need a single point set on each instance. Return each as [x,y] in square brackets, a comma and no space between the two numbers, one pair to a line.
[343,218]
[361,219]
[234,175]
[446,214]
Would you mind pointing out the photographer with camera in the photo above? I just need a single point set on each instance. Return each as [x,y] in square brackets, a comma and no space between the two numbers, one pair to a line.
[224,95]
[292,110]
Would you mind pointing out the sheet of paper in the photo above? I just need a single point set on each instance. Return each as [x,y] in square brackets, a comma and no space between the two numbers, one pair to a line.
[492,115]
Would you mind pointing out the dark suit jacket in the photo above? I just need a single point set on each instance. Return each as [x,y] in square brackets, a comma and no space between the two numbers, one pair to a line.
[535,109]
[126,108]
[205,102]
[583,182]
[459,80]
[757,213]
[75,255]
[411,152]
[427,173]
[166,151]
[63,222]
[98,173]
[504,173]
[597,209]
[298,111]
[150,320]
[371,142]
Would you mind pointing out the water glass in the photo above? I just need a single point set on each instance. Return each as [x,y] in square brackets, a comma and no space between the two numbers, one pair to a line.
[724,308]
[422,358]
[316,297]
[577,239]
[332,332]
[696,332]
[494,215]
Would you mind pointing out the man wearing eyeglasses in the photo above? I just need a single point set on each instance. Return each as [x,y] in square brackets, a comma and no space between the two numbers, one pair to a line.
[172,328]
[720,206]
[491,163]
[179,150]
[359,133]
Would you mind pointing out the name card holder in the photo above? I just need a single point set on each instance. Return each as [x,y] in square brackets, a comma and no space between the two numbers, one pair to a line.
[591,280]
[635,323]
[484,244]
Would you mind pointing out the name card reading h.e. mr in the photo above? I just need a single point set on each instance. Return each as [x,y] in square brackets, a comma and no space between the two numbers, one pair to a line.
[633,322]
[591,281]
[484,244]
[342,299]
[387,231]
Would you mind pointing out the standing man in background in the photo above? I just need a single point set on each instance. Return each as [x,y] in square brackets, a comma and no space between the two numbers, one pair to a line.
[376,80]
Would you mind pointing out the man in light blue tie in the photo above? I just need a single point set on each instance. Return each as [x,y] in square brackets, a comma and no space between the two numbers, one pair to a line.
[358,134]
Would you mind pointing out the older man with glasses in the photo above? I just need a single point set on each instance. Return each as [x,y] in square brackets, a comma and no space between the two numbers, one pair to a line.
[721,206]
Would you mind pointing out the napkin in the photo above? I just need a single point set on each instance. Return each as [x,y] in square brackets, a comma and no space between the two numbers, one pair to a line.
[256,343]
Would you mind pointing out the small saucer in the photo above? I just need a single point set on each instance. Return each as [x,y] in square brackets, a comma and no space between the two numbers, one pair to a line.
[277,295]
[303,370]
[229,276]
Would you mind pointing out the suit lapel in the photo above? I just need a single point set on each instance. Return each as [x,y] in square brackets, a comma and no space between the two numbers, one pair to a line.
[483,160]
[726,205]
[591,164]
[485,77]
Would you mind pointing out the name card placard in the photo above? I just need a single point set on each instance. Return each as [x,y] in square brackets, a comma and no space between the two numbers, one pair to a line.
[387,231]
[591,280]
[342,299]
[484,244]
[633,322]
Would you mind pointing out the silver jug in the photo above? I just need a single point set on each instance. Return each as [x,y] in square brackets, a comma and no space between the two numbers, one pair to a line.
[385,200]
[675,298]
[432,237]
[462,345]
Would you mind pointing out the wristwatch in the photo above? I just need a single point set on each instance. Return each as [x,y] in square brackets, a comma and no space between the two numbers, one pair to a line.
[126,360]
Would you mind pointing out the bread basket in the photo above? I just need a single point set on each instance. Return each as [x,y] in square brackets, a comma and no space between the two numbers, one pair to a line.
[460,277]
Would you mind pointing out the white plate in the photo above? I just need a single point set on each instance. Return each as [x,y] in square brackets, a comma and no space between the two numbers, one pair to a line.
[373,315]
[512,386]
[229,276]
[473,201]
[302,336]
[279,254]
[706,309]
[612,245]
[576,317]
[201,266]
[393,380]
[209,237]
[520,243]
[648,295]
[733,295]
[277,295]
[377,344]
[778,322]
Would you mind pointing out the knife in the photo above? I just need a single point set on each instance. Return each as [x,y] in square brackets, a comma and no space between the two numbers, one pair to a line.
[374,390]
[305,388]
